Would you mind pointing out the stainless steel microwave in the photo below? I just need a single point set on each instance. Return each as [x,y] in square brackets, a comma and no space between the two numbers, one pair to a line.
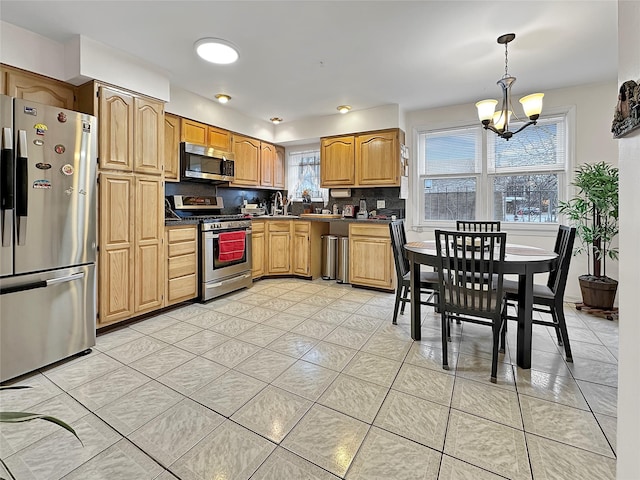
[198,162]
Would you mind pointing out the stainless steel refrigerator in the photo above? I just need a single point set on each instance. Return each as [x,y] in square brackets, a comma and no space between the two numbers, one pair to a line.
[48,235]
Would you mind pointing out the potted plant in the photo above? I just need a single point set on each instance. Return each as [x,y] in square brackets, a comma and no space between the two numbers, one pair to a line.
[594,212]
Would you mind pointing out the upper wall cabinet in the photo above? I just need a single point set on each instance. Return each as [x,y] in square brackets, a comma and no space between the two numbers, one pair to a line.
[378,159]
[36,88]
[246,152]
[279,167]
[202,134]
[267,160]
[337,161]
[131,128]
[171,148]
[364,160]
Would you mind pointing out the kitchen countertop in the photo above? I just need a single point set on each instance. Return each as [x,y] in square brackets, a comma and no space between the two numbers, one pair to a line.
[176,223]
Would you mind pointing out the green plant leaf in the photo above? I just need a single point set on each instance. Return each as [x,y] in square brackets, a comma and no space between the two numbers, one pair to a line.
[17,417]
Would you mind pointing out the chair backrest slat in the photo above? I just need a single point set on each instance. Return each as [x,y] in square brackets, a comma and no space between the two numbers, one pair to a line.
[564,248]
[470,271]
[477,226]
[398,241]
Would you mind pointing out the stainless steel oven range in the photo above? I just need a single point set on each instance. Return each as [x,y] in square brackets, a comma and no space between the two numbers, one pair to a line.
[225,256]
[224,262]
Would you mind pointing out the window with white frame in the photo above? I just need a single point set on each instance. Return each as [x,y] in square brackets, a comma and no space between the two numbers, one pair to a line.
[468,173]
[304,175]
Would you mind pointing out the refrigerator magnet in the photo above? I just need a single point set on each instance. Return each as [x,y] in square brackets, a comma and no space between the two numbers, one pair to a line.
[59,149]
[30,111]
[38,142]
[43,184]
[41,128]
[86,127]
[62,117]
[67,169]
[43,166]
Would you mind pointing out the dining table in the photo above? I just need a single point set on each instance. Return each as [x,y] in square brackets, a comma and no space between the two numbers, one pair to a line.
[522,260]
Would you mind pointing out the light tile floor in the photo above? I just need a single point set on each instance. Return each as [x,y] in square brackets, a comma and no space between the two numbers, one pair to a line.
[294,379]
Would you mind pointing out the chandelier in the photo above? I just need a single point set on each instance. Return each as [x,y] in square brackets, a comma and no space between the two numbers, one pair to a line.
[498,122]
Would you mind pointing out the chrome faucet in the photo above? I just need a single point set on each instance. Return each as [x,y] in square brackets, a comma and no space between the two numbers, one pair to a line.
[277,201]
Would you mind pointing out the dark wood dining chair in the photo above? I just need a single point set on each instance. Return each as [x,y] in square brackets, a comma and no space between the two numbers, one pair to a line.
[428,280]
[474,226]
[549,298]
[470,272]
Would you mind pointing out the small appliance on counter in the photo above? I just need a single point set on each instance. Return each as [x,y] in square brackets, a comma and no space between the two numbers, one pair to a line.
[362,211]
[253,209]
[348,211]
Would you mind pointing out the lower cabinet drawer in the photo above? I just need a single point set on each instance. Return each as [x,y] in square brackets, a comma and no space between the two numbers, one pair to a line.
[182,248]
[182,288]
[182,265]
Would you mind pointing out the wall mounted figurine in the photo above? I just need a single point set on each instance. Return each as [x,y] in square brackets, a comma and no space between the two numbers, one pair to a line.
[627,113]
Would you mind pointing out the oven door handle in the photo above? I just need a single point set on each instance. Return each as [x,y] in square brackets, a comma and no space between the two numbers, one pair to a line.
[234,279]
[217,235]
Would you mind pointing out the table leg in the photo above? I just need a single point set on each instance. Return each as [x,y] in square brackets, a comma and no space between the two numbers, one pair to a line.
[525,318]
[415,300]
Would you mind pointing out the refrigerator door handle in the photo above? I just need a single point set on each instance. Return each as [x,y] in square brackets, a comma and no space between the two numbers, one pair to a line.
[22,187]
[68,278]
[6,177]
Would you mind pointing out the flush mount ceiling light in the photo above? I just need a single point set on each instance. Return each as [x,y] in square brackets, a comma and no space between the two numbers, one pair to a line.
[275,120]
[216,50]
[222,98]
[498,122]
[344,108]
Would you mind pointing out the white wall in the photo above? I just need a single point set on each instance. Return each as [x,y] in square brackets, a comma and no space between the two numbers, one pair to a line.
[80,60]
[593,105]
[378,118]
[629,329]
[195,107]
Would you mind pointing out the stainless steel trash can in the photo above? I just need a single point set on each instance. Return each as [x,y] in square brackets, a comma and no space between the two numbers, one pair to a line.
[329,255]
[342,275]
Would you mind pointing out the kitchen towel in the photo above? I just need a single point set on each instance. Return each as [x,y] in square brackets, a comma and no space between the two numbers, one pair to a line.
[231,246]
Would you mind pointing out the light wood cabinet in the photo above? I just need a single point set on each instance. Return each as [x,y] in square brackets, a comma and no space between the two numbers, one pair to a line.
[130,128]
[193,132]
[378,159]
[218,138]
[287,247]
[370,159]
[257,248]
[149,254]
[337,161]
[247,160]
[279,164]
[267,160]
[148,125]
[301,248]
[203,134]
[171,148]
[370,259]
[116,253]
[37,88]
[131,251]
[182,263]
[278,255]
[115,117]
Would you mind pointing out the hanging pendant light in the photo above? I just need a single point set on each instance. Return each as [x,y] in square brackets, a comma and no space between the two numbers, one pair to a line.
[498,122]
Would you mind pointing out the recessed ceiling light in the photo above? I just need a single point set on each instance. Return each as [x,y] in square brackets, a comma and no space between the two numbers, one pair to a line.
[222,98]
[275,120]
[344,108]
[216,50]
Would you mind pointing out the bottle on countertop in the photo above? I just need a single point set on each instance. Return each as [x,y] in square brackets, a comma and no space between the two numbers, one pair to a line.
[335,209]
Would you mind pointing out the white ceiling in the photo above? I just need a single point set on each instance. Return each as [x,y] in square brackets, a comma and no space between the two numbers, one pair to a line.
[302,59]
